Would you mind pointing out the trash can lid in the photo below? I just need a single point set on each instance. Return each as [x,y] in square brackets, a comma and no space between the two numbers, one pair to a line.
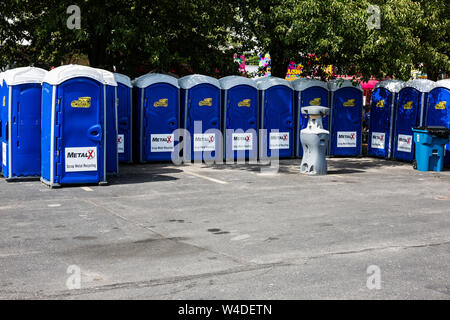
[334,85]
[233,81]
[123,79]
[23,75]
[305,83]
[391,85]
[148,79]
[439,131]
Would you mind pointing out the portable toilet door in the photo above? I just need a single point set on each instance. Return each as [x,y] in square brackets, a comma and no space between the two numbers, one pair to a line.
[112,155]
[200,116]
[438,110]
[22,123]
[382,112]
[239,118]
[346,118]
[156,105]
[73,126]
[409,114]
[124,117]
[276,112]
[307,92]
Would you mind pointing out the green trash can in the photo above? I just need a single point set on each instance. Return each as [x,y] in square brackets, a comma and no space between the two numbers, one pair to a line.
[430,147]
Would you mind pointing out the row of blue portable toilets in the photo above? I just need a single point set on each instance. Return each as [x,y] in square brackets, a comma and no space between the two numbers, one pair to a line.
[74,124]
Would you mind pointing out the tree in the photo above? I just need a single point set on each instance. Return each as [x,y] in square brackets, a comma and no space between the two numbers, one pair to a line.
[133,35]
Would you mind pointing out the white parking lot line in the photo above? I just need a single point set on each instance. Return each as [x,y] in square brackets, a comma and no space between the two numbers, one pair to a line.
[187,171]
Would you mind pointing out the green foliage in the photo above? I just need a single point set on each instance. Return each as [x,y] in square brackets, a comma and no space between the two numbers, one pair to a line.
[201,36]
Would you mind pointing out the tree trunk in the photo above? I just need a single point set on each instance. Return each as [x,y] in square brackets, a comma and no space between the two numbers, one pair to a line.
[278,61]
[432,73]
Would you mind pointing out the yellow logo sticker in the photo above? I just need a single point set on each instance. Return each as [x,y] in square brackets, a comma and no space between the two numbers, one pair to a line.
[82,102]
[408,105]
[4,101]
[161,103]
[245,103]
[206,102]
[441,105]
[380,104]
[349,103]
[315,102]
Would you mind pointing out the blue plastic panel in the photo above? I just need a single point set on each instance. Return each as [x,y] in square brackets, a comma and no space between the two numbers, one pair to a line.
[312,96]
[346,122]
[407,117]
[438,113]
[380,122]
[240,113]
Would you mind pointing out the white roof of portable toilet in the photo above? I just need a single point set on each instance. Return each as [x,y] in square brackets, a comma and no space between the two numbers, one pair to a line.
[24,75]
[304,83]
[64,73]
[232,81]
[422,85]
[151,78]
[445,83]
[258,80]
[123,79]
[108,78]
[271,82]
[391,85]
[337,84]
[1,79]
[192,80]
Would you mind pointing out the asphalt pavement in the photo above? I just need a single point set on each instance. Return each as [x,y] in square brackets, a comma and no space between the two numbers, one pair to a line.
[370,229]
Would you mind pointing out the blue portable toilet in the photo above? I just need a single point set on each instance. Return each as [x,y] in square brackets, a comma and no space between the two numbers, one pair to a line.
[239,117]
[200,103]
[124,117]
[73,126]
[438,110]
[307,92]
[112,155]
[382,118]
[409,114]
[21,122]
[156,117]
[276,117]
[346,101]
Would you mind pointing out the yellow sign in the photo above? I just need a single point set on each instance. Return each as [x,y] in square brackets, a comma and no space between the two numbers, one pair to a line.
[206,102]
[161,103]
[408,105]
[380,104]
[349,103]
[315,102]
[245,103]
[4,101]
[441,105]
[82,102]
